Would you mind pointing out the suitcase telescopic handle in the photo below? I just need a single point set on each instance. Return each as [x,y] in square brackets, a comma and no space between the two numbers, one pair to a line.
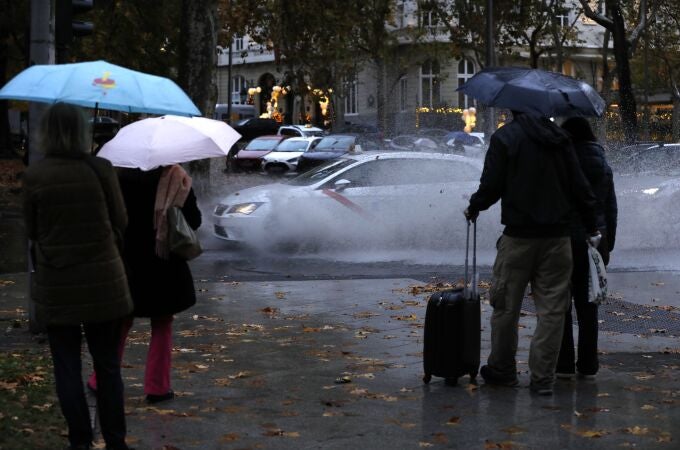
[472,282]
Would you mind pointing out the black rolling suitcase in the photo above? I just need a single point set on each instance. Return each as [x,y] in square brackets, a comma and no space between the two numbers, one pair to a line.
[453,327]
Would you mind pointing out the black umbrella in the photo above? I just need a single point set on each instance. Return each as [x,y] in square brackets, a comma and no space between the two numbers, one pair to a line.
[534,91]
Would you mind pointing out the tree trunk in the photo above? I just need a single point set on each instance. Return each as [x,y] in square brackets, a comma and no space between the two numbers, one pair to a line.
[5,137]
[197,66]
[601,122]
[627,104]
[380,71]
[675,121]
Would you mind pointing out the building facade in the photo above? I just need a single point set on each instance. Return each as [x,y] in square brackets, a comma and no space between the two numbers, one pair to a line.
[421,95]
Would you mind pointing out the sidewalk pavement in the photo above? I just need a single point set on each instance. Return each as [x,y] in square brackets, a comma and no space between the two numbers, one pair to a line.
[337,364]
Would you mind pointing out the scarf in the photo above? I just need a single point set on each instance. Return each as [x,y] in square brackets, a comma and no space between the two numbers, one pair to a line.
[173,190]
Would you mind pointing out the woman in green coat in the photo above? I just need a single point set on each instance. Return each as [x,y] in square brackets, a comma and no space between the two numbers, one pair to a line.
[74,215]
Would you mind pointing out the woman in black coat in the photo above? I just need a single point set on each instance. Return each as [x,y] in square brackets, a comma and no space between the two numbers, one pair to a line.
[599,174]
[159,287]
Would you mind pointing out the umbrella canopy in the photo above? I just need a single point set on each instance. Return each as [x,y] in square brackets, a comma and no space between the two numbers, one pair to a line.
[534,91]
[167,140]
[99,84]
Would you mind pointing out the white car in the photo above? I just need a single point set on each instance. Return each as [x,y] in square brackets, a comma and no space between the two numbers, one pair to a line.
[285,156]
[300,131]
[383,199]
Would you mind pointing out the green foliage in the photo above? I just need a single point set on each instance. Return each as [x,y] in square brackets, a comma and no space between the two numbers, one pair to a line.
[14,38]
[29,411]
[138,34]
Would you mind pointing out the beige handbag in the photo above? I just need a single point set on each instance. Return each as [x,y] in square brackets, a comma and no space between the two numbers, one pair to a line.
[182,239]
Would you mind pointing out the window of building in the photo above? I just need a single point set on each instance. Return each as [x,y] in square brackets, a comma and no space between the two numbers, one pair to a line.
[561,18]
[466,69]
[403,94]
[239,89]
[351,98]
[238,43]
[429,84]
[428,19]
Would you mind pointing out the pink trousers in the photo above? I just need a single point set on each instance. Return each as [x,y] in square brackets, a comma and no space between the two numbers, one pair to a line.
[158,358]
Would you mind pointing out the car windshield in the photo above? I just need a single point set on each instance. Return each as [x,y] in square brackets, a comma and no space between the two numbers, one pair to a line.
[261,144]
[320,172]
[335,143]
[292,146]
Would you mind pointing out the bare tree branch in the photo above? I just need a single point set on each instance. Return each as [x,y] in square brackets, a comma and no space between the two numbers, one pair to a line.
[597,17]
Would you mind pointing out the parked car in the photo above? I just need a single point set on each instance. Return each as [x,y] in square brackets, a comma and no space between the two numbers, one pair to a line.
[250,157]
[389,198]
[403,142]
[466,143]
[368,136]
[436,134]
[329,147]
[300,130]
[284,158]
[253,127]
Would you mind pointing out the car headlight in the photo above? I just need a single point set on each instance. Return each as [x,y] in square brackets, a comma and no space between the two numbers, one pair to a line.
[293,160]
[220,208]
[244,208]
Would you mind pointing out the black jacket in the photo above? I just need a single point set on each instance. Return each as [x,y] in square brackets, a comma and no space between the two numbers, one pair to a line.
[531,166]
[159,287]
[599,175]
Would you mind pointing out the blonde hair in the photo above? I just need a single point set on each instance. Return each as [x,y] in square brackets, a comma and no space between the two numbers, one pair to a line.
[64,129]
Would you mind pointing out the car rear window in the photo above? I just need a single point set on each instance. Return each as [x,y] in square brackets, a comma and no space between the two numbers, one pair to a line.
[291,146]
[335,143]
[262,144]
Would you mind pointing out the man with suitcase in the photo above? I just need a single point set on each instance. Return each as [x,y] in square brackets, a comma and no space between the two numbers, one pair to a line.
[532,168]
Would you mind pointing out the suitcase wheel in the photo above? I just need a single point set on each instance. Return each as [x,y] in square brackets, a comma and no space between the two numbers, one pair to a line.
[427,378]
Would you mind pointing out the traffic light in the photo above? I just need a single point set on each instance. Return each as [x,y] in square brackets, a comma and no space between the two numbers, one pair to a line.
[65,27]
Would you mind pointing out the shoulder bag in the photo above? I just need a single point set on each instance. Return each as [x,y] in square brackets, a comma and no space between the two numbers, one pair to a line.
[182,239]
[597,276]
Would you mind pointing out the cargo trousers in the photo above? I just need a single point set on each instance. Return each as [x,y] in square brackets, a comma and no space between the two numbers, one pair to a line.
[546,263]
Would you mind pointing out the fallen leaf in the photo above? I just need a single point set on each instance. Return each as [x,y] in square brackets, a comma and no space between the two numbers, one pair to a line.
[453,421]
[647,407]
[405,318]
[505,445]
[425,444]
[636,430]
[514,430]
[230,437]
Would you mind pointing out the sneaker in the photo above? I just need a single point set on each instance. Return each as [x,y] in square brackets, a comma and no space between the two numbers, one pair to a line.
[492,377]
[541,389]
[153,398]
[565,375]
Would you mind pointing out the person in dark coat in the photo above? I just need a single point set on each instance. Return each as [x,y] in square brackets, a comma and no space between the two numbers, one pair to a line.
[75,215]
[598,173]
[161,284]
[532,168]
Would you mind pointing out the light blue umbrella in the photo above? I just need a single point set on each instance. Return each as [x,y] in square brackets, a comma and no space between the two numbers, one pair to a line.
[100,85]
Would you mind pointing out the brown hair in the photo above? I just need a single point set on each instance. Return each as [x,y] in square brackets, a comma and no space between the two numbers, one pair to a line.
[64,129]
